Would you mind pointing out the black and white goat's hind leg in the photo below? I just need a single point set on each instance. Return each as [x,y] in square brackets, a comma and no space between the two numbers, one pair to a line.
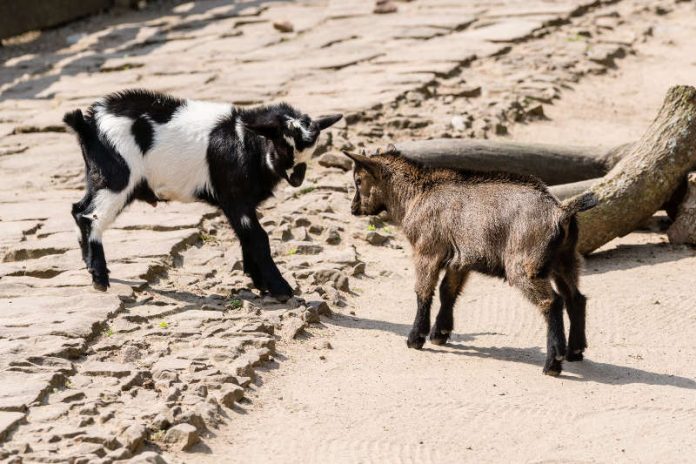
[451,286]
[83,224]
[256,251]
[99,214]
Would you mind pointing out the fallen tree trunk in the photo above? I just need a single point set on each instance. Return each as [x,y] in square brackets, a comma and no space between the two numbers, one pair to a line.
[565,191]
[647,175]
[554,164]
[683,230]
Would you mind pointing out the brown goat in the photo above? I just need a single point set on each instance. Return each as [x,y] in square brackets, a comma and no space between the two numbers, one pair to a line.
[498,224]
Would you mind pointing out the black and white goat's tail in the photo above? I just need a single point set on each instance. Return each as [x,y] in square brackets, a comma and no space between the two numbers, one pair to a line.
[84,130]
[76,121]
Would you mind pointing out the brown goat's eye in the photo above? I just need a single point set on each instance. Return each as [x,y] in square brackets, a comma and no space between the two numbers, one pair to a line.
[358,181]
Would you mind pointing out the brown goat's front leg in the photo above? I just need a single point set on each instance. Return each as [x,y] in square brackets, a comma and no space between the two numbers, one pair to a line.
[427,272]
[450,288]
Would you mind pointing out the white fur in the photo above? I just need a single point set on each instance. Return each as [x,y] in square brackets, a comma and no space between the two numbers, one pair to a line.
[297,124]
[246,222]
[175,167]
[301,156]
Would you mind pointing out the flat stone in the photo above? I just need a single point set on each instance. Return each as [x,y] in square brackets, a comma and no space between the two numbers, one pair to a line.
[148,457]
[8,421]
[182,436]
[106,369]
[331,160]
[230,394]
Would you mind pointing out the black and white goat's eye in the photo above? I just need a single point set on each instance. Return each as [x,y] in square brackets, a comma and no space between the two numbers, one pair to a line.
[358,181]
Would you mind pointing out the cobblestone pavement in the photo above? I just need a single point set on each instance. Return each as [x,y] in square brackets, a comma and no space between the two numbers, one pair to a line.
[165,356]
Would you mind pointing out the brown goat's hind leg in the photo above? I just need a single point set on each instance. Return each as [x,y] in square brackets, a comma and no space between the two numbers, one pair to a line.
[450,288]
[575,303]
[427,273]
[539,292]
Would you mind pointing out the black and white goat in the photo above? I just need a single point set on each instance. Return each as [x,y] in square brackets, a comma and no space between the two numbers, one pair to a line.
[142,145]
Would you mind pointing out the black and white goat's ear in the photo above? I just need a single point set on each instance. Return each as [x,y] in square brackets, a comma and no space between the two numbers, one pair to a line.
[324,122]
[366,163]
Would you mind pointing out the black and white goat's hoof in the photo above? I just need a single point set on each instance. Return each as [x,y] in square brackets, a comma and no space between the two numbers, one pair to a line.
[100,282]
[574,355]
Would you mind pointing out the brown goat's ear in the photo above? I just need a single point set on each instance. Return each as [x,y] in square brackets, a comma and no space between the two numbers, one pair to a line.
[363,161]
[324,122]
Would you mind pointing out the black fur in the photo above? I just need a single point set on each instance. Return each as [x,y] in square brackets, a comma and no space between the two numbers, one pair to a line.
[143,133]
[135,103]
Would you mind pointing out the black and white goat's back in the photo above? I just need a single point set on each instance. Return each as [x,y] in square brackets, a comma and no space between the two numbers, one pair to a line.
[143,145]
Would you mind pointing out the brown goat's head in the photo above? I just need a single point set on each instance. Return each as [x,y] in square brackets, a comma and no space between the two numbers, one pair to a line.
[370,186]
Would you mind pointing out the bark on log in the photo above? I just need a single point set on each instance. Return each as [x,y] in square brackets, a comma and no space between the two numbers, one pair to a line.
[683,230]
[553,164]
[646,176]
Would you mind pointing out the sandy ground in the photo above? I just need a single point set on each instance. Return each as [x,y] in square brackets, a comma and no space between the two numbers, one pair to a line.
[482,398]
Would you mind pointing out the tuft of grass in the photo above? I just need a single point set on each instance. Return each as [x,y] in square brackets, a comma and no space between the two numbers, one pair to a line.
[234,303]
[575,38]
[292,251]
[108,331]
[386,230]
[371,228]
[308,189]
[157,436]
[164,324]
[207,238]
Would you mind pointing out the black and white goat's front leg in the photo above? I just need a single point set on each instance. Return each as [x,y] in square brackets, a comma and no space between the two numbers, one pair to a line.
[256,252]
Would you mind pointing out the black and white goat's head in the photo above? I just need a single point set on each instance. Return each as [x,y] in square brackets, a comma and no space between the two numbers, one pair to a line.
[293,136]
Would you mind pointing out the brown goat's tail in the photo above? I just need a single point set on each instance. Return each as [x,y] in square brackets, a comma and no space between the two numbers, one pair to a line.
[579,203]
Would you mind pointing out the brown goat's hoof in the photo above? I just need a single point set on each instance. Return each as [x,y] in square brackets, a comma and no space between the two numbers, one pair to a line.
[574,356]
[439,338]
[553,368]
[415,342]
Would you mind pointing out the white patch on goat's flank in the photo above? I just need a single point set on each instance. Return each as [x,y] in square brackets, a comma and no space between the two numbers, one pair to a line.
[246,222]
[176,167]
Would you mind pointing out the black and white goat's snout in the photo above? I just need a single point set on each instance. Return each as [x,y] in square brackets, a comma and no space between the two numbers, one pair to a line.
[141,145]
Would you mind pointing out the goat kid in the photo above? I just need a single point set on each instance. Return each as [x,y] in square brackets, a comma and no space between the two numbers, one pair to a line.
[502,225]
[143,145]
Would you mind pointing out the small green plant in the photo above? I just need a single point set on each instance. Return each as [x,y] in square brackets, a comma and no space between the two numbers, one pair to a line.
[371,228]
[575,38]
[157,436]
[163,324]
[309,188]
[386,230]
[207,238]
[234,303]
[292,251]
[108,331]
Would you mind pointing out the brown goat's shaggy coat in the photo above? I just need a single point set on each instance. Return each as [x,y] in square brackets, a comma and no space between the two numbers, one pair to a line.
[498,224]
